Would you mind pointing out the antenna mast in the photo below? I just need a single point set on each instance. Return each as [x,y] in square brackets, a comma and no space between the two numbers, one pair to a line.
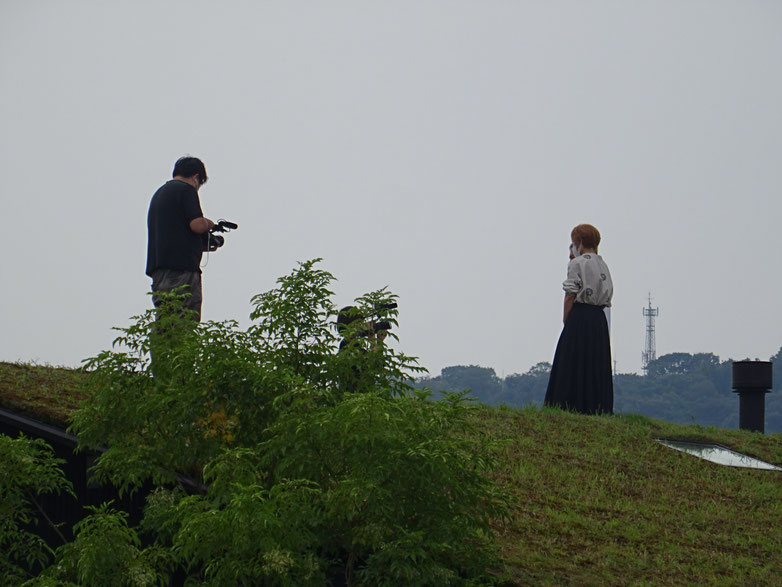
[650,348]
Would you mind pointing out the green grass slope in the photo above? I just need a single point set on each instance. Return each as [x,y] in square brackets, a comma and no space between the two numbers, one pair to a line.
[48,394]
[598,501]
[595,499]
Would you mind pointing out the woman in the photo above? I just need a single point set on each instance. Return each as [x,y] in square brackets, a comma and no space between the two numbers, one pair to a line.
[580,377]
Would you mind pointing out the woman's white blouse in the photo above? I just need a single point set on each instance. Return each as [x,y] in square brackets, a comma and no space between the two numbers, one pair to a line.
[589,280]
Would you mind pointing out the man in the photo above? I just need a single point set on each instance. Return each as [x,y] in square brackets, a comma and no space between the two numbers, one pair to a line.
[175,226]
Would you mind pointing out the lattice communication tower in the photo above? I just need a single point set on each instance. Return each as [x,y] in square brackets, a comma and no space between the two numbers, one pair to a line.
[650,348]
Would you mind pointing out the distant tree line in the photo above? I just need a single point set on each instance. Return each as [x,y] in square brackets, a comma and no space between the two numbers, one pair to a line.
[680,387]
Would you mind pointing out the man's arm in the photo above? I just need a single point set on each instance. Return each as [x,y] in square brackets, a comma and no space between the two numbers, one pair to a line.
[569,301]
[201,225]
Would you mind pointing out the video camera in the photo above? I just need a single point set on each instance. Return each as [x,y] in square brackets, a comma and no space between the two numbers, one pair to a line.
[350,314]
[213,241]
[381,325]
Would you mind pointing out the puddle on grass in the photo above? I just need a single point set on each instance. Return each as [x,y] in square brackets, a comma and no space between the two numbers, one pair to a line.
[717,453]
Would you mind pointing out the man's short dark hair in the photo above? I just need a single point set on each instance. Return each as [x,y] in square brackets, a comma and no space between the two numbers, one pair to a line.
[190,166]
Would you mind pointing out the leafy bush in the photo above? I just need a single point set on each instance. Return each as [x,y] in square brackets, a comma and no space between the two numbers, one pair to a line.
[105,552]
[28,469]
[404,492]
[310,456]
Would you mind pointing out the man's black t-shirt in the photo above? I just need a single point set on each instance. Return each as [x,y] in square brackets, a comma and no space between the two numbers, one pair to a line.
[171,243]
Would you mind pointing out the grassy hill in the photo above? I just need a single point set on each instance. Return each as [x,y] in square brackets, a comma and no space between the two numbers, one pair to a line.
[596,499]
[48,394]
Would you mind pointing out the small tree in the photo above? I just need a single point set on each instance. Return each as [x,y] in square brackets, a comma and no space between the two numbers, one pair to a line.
[313,457]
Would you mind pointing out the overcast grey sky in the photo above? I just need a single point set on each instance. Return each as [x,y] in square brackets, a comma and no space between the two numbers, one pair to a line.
[443,148]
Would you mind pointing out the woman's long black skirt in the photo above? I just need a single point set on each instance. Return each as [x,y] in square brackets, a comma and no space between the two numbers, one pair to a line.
[580,377]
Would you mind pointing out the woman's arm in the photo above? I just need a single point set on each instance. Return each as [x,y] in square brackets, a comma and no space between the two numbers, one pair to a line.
[570,299]
[572,285]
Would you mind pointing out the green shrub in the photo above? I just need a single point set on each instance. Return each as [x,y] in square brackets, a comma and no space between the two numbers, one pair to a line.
[28,469]
[314,461]
[405,496]
[105,552]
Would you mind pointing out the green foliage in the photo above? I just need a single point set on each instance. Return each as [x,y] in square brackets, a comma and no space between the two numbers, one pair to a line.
[313,457]
[484,385]
[293,330]
[460,378]
[392,471]
[105,552]
[210,385]
[681,364]
[205,388]
[28,469]
[240,532]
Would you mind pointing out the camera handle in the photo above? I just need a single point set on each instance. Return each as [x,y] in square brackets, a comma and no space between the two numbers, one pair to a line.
[224,226]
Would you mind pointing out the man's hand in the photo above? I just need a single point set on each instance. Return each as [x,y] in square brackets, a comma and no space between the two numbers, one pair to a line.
[201,225]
